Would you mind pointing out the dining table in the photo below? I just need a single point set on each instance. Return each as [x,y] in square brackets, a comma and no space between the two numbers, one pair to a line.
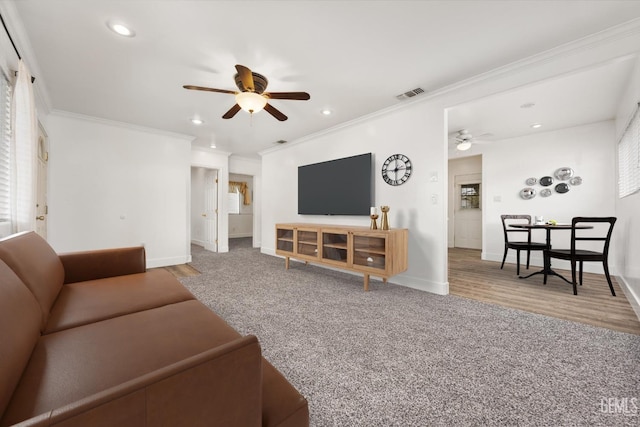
[549,227]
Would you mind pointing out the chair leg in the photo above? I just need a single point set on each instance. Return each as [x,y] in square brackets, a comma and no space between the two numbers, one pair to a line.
[504,256]
[605,264]
[518,261]
[581,270]
[528,258]
[573,277]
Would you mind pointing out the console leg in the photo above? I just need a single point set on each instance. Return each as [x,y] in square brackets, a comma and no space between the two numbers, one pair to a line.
[286,263]
[384,280]
[366,282]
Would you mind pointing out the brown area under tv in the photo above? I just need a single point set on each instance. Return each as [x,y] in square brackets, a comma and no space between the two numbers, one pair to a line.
[379,253]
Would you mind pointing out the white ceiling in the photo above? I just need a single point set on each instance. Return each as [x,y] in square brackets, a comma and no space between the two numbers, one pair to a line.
[353,57]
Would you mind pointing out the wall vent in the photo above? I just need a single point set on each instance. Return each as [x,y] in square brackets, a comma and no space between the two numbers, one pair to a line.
[410,94]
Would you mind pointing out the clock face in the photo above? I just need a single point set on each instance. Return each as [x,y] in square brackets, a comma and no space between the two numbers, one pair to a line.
[396,170]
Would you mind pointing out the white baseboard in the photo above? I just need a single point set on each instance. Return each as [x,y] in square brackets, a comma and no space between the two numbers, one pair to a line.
[239,235]
[165,262]
[631,292]
[538,261]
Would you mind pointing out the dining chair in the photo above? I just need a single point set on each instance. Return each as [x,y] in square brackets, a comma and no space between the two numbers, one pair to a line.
[578,256]
[510,242]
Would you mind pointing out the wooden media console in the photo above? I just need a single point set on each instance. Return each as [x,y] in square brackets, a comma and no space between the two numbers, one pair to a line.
[379,253]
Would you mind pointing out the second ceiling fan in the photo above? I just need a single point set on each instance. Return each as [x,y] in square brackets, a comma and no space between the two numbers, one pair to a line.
[251,96]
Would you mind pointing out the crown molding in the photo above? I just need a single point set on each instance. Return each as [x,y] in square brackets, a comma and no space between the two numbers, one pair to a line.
[115,123]
[602,39]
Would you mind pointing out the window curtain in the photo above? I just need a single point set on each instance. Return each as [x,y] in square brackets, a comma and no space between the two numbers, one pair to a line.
[23,152]
[243,188]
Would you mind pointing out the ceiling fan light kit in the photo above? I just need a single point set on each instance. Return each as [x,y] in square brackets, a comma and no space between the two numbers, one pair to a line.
[463,140]
[251,102]
[251,96]
[463,146]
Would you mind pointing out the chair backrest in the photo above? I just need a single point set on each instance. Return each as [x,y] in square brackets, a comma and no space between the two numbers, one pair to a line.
[586,235]
[507,220]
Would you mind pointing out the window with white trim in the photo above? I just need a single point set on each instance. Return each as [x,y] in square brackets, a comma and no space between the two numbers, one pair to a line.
[629,157]
[5,149]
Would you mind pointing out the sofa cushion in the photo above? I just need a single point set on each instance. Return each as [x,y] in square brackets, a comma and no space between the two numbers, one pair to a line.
[74,363]
[19,330]
[37,265]
[87,302]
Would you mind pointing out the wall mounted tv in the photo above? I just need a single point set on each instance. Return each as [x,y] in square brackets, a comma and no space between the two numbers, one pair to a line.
[337,187]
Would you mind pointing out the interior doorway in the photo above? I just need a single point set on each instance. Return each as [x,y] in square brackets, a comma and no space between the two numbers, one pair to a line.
[204,208]
[465,203]
[241,211]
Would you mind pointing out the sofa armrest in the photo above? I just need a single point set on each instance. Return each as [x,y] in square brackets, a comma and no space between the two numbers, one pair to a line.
[219,387]
[98,264]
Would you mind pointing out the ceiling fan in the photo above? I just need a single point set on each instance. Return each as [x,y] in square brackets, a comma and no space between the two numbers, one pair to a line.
[251,96]
[464,139]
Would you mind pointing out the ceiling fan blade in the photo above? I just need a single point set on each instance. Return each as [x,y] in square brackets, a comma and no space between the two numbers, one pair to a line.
[275,112]
[232,112]
[300,96]
[246,77]
[209,89]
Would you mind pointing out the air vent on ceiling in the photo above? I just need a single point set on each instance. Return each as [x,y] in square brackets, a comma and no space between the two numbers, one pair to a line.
[410,94]
[280,141]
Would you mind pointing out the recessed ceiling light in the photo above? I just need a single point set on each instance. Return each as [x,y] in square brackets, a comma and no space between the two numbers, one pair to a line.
[121,29]
[528,105]
[536,125]
[326,112]
[212,145]
[196,121]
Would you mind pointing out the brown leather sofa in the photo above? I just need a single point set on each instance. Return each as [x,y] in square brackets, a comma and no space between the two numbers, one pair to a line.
[93,339]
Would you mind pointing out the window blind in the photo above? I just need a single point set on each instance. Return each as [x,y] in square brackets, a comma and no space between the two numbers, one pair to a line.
[5,147]
[629,157]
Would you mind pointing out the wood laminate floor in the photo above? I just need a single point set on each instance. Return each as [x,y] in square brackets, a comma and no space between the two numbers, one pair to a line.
[471,277]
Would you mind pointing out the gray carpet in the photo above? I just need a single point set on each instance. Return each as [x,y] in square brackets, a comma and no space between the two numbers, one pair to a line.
[400,357]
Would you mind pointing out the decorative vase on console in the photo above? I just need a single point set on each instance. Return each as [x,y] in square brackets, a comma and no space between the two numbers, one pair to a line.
[385,217]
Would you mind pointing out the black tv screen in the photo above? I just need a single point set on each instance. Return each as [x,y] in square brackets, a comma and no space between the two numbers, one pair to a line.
[337,187]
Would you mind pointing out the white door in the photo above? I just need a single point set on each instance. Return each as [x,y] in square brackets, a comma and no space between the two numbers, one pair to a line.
[467,211]
[211,210]
[41,186]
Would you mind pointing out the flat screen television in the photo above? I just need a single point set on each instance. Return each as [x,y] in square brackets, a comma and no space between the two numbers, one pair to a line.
[337,187]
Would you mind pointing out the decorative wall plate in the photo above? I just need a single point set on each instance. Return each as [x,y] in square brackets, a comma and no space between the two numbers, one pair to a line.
[576,180]
[531,181]
[545,192]
[562,188]
[564,174]
[527,193]
[546,181]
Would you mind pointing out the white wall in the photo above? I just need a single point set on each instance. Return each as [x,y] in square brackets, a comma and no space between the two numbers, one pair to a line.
[417,132]
[114,185]
[589,150]
[627,232]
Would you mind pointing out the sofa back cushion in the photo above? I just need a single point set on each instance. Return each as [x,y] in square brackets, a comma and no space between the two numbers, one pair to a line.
[37,265]
[19,331]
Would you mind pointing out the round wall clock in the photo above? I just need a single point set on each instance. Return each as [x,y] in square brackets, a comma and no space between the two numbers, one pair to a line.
[396,170]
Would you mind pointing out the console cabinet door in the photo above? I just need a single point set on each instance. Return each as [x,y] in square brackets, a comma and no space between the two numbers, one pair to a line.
[370,252]
[284,241]
[335,247]
[307,243]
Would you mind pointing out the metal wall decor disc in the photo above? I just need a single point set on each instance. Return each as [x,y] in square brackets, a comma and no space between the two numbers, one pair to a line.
[564,174]
[576,180]
[546,181]
[531,181]
[562,188]
[527,193]
[545,193]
